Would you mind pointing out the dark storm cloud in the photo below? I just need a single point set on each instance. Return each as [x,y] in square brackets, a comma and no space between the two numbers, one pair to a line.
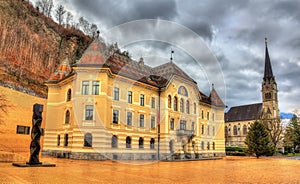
[119,11]
[234,30]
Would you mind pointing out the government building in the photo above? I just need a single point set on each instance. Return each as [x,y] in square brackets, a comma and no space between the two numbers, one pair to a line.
[108,106]
[238,119]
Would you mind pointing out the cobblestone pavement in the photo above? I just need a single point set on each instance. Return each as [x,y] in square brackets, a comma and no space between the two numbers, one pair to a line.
[228,170]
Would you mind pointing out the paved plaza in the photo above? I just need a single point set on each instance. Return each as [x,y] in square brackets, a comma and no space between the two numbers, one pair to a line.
[227,170]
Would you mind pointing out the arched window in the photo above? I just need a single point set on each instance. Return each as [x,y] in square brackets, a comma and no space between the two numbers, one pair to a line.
[187,107]
[244,130]
[69,95]
[114,141]
[67,117]
[128,142]
[152,141]
[175,103]
[195,108]
[88,140]
[141,142]
[234,130]
[169,101]
[226,131]
[181,105]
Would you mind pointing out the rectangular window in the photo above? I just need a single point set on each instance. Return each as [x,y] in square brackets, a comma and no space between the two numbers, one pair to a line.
[213,116]
[207,129]
[207,116]
[152,125]
[116,93]
[142,120]
[142,100]
[115,116]
[66,140]
[89,112]
[193,126]
[23,129]
[129,118]
[182,125]
[202,129]
[129,97]
[58,140]
[172,123]
[153,102]
[202,114]
[85,87]
[95,90]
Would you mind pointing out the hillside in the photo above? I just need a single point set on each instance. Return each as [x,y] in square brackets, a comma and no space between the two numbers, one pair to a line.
[32,45]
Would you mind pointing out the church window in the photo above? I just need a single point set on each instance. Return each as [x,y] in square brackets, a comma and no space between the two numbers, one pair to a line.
[244,130]
[234,130]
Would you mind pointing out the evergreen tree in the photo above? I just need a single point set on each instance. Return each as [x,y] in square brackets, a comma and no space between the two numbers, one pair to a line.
[258,140]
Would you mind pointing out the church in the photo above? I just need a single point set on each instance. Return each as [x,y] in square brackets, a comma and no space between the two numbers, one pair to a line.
[108,106]
[239,118]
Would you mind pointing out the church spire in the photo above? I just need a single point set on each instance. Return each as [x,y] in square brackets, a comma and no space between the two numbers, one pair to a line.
[268,68]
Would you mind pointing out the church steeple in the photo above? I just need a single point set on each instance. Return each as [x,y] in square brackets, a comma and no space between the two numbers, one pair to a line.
[268,74]
[269,89]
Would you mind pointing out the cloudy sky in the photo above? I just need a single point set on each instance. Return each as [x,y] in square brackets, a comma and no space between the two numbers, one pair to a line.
[234,32]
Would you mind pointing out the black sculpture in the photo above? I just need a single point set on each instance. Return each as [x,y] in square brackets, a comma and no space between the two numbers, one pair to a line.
[36,133]
[35,146]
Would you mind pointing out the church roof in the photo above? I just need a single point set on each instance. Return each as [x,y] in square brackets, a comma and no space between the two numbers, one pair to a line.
[244,112]
[268,74]
[63,71]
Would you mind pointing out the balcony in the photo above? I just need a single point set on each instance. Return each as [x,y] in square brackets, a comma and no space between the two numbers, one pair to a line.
[186,133]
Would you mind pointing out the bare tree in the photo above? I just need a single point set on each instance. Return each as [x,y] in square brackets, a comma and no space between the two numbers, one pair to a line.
[84,25]
[45,6]
[94,30]
[4,105]
[69,19]
[274,128]
[59,13]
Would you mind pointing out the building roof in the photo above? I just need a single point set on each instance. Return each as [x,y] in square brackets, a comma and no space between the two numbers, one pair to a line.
[268,74]
[244,112]
[63,70]
[98,54]
[215,99]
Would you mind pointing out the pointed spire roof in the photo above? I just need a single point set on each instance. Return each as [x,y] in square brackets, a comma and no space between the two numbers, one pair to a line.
[95,54]
[268,74]
[215,99]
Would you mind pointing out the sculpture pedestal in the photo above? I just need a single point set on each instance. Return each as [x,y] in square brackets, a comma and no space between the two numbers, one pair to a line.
[39,164]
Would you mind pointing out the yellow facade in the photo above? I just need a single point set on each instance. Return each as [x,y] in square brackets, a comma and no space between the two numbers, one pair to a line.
[94,113]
